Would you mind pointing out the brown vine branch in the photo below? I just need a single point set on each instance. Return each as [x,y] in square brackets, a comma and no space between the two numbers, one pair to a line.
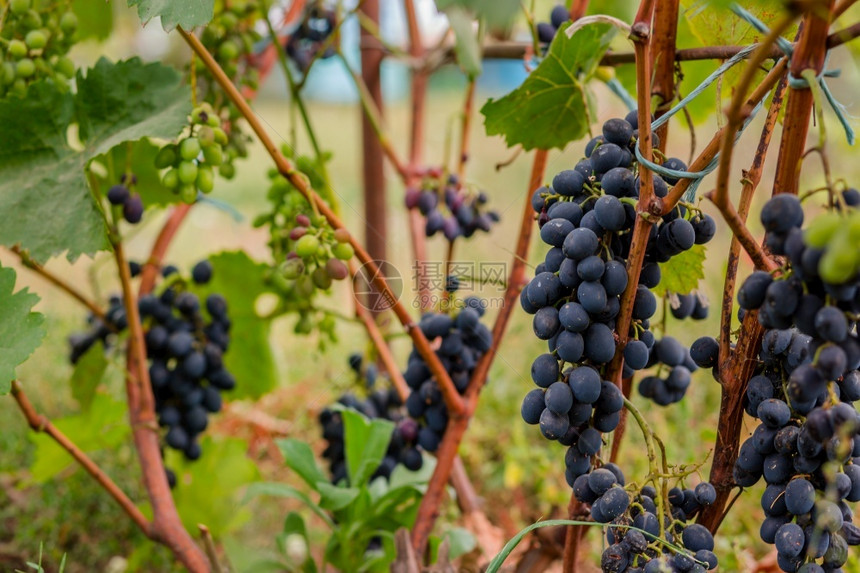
[373,140]
[809,54]
[468,106]
[452,399]
[663,61]
[60,283]
[751,180]
[428,511]
[663,87]
[149,271]
[517,50]
[641,37]
[373,116]
[418,96]
[40,423]
[736,370]
[167,528]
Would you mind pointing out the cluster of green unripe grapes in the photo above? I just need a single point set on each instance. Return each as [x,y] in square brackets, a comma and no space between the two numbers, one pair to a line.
[34,40]
[230,38]
[318,252]
[191,162]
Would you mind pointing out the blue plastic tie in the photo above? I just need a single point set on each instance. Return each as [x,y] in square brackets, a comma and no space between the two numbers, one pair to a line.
[618,89]
[697,176]
[799,83]
[221,205]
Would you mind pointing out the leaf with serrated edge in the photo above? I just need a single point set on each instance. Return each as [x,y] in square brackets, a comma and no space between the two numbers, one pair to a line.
[42,178]
[21,331]
[187,14]
[549,109]
[681,274]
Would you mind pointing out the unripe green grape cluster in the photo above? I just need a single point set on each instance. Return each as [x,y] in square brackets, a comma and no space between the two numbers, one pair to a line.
[316,251]
[230,38]
[35,37]
[191,161]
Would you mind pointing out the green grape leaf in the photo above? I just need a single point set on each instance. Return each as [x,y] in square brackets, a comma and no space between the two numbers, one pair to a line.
[241,281]
[186,14]
[42,174]
[220,474]
[550,108]
[103,427]
[21,330]
[682,273]
[365,442]
[129,100]
[496,13]
[466,42]
[87,375]
[95,19]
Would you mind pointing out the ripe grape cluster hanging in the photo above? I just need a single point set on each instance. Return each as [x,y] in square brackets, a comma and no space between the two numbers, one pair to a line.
[185,345]
[586,217]
[807,446]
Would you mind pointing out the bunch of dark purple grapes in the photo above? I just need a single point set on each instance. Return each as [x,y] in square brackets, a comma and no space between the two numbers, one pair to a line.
[120,195]
[635,524]
[385,404]
[305,43]
[807,446]
[546,31]
[185,347]
[463,340]
[586,218]
[449,209]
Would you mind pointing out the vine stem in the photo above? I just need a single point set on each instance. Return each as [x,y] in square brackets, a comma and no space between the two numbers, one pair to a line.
[428,510]
[736,114]
[374,118]
[663,206]
[379,342]
[418,97]
[809,54]
[736,222]
[752,177]
[517,50]
[468,107]
[372,173]
[453,401]
[60,283]
[736,370]
[641,37]
[40,423]
[149,271]
[166,525]
[661,60]
[295,94]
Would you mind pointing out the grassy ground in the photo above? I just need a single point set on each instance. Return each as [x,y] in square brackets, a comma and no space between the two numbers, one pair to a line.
[519,473]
